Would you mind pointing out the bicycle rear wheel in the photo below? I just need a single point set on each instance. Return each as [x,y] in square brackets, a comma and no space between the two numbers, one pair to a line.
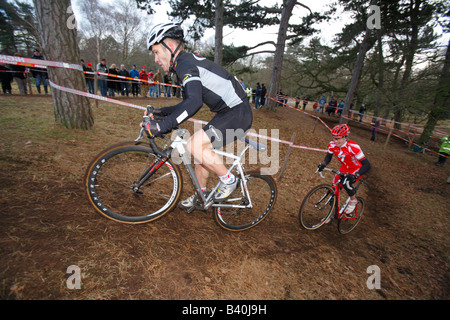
[263,194]
[347,223]
[317,207]
[111,177]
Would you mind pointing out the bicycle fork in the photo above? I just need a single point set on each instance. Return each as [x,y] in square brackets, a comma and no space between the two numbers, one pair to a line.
[147,174]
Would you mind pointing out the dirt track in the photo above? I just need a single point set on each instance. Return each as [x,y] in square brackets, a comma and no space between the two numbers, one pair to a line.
[48,224]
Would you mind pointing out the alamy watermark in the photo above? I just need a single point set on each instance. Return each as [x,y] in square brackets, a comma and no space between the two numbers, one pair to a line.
[374,19]
[71,22]
[74,280]
[374,281]
[268,160]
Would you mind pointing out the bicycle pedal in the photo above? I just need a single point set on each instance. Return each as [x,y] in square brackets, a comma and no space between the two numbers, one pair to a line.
[190,209]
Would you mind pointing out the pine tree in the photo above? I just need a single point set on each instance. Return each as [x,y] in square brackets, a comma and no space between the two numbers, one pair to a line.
[59,42]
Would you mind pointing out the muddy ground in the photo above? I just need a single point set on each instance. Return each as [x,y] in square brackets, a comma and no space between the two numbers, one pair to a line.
[48,223]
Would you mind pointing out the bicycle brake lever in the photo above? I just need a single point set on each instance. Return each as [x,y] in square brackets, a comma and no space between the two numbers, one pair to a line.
[141,135]
[347,183]
[320,173]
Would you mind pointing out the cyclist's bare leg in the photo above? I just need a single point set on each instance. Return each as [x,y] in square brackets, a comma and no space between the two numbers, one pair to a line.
[205,159]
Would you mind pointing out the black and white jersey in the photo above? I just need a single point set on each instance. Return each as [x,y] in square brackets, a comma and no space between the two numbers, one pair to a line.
[202,82]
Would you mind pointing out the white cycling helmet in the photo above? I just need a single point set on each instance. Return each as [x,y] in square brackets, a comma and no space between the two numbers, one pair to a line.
[164,30]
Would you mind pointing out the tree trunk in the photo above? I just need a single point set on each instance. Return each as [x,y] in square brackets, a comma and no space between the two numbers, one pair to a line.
[412,48]
[357,71]
[59,41]
[218,50]
[441,100]
[380,86]
[286,14]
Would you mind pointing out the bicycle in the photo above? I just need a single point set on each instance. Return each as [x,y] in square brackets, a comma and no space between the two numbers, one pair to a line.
[322,204]
[135,182]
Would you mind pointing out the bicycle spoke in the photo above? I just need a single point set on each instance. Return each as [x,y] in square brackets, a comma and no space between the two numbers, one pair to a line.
[317,207]
[262,190]
[348,222]
[111,183]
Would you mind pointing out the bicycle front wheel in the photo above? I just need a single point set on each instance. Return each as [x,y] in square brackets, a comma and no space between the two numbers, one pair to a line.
[348,222]
[111,178]
[263,194]
[317,207]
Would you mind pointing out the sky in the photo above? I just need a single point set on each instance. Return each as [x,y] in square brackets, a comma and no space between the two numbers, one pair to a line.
[240,37]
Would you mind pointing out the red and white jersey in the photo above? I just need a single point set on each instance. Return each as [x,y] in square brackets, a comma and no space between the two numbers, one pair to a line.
[350,155]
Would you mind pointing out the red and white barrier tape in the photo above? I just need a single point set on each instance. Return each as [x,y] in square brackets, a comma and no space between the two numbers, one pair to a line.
[285,97]
[39,63]
[47,63]
[94,96]
[43,64]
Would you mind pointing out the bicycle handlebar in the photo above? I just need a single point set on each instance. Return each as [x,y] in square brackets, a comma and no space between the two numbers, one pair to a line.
[327,169]
[343,176]
[160,152]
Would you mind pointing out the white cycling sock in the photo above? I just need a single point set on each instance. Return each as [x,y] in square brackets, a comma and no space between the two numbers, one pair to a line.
[228,178]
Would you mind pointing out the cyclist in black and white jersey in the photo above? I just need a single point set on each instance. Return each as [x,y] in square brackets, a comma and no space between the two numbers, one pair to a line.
[202,82]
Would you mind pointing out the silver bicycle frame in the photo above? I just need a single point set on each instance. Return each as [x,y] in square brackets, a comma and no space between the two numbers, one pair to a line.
[178,144]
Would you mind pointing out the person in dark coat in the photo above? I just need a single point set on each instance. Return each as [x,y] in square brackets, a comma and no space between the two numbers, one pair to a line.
[6,77]
[39,74]
[112,81]
[20,76]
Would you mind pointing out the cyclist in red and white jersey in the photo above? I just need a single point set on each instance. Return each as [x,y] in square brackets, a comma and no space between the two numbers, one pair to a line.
[352,158]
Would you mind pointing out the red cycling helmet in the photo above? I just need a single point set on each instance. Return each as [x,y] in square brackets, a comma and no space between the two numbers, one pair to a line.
[341,130]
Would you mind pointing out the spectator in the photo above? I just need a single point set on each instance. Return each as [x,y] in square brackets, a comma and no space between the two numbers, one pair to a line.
[89,76]
[297,102]
[135,84]
[102,79]
[112,81]
[143,75]
[305,102]
[316,107]
[375,125]
[6,77]
[322,103]
[258,91]
[151,85]
[168,82]
[158,80]
[340,107]
[20,76]
[361,112]
[174,85]
[249,92]
[242,83]
[280,98]
[350,110]
[444,151]
[39,74]
[263,95]
[124,85]
[332,106]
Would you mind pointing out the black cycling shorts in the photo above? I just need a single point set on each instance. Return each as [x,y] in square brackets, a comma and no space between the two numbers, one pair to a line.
[227,127]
